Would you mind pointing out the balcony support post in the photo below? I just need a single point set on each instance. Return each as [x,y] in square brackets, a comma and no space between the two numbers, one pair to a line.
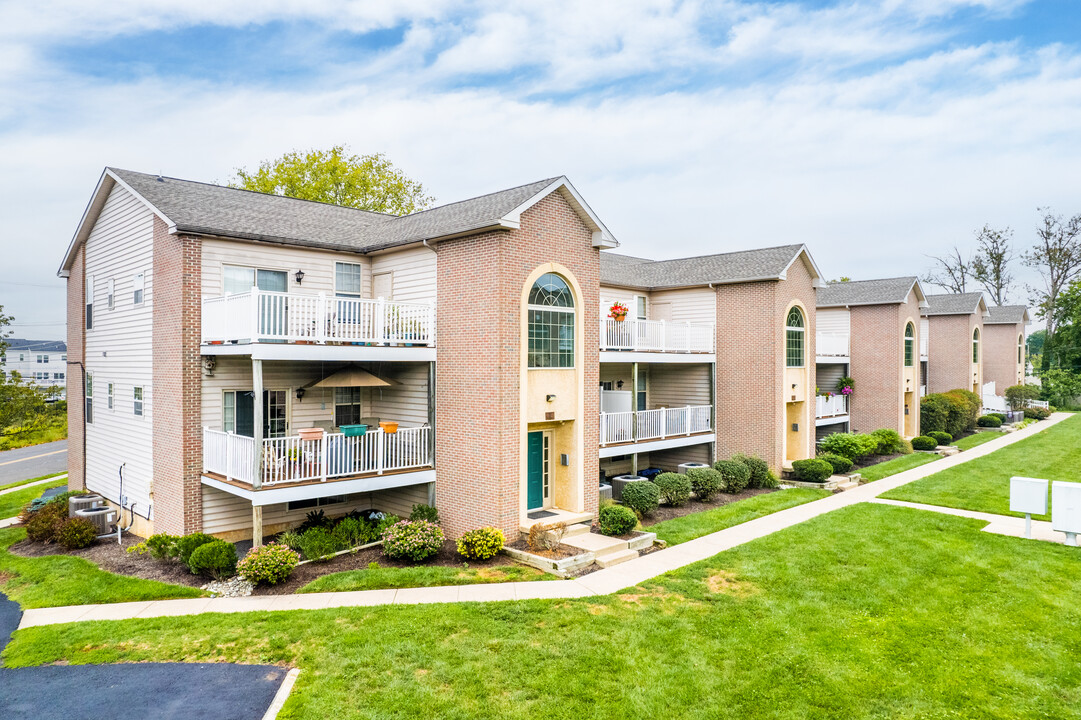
[634,402]
[256,526]
[257,424]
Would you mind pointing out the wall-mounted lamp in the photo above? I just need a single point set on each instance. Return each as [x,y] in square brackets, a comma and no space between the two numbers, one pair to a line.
[300,394]
[299,276]
[619,384]
[793,386]
[549,398]
[209,362]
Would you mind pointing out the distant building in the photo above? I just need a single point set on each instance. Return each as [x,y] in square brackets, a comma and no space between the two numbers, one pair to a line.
[41,362]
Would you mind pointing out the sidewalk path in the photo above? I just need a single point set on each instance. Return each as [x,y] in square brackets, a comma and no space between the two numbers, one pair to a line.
[997,524]
[17,488]
[602,582]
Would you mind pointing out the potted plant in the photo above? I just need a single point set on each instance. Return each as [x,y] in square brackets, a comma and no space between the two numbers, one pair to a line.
[389,427]
[845,386]
[312,433]
[618,311]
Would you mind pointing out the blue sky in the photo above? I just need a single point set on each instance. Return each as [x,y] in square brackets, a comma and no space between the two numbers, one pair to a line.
[876,131]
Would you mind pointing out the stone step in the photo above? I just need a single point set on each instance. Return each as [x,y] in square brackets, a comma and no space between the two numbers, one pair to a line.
[574,530]
[616,558]
[599,545]
[847,485]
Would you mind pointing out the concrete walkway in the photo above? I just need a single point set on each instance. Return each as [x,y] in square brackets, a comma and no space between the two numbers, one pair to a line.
[36,482]
[602,582]
[997,524]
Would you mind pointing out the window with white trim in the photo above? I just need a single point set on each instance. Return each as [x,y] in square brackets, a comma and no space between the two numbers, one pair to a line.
[347,408]
[109,396]
[89,417]
[89,297]
[550,320]
[110,293]
[347,279]
[794,338]
[640,307]
[137,396]
[976,345]
[910,342]
[138,285]
[1020,349]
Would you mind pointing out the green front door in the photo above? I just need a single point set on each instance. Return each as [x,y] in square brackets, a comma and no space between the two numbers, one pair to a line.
[535,472]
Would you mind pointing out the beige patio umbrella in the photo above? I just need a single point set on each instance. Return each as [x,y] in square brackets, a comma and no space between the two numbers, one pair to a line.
[353,376]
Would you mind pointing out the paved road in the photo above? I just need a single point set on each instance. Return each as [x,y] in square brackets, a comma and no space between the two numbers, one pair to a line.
[33,461]
[149,691]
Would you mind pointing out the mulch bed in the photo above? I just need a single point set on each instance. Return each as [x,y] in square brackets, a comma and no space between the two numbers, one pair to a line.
[560,552]
[666,512]
[114,558]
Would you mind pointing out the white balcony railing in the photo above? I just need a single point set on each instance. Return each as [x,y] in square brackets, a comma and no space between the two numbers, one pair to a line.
[659,424]
[829,344]
[259,316]
[830,405]
[923,390]
[657,336]
[291,459]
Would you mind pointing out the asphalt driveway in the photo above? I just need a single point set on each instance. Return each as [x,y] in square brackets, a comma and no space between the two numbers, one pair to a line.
[33,461]
[149,691]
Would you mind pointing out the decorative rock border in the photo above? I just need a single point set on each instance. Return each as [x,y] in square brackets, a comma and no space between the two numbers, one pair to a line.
[561,567]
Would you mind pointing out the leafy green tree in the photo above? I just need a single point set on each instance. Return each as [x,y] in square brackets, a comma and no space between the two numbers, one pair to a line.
[991,266]
[1056,256]
[23,405]
[366,182]
[1061,387]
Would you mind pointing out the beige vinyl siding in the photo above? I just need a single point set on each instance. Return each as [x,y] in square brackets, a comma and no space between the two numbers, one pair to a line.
[827,375]
[925,334]
[696,305]
[677,385]
[413,271]
[223,512]
[838,322]
[609,295]
[613,467]
[406,403]
[670,460]
[318,265]
[119,350]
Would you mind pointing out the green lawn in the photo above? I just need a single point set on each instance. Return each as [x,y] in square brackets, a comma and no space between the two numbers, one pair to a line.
[11,503]
[869,612]
[57,430]
[983,484]
[975,439]
[681,529]
[17,483]
[421,576]
[58,580]
[892,467]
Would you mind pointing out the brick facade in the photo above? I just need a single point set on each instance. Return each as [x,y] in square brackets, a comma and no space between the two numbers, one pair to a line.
[1000,363]
[949,362]
[878,370]
[478,371]
[177,366]
[751,407]
[75,371]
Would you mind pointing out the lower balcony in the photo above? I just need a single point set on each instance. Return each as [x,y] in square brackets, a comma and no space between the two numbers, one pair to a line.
[292,461]
[658,429]
[831,409]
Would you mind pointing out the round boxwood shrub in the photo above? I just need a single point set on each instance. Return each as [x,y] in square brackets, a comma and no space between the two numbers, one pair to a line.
[924,443]
[675,489]
[706,483]
[216,559]
[850,445]
[840,464]
[424,512]
[642,496]
[813,470]
[889,442]
[761,477]
[270,564]
[187,544]
[76,533]
[735,475]
[942,438]
[616,520]
[414,540]
[481,544]
[1000,416]
[989,421]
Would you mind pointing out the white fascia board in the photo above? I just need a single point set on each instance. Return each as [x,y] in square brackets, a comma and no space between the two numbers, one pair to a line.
[602,237]
[278,495]
[817,279]
[327,353]
[634,356]
[921,295]
[655,445]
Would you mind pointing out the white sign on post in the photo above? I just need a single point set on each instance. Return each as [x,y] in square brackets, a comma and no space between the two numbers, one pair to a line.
[1066,509]
[1028,496]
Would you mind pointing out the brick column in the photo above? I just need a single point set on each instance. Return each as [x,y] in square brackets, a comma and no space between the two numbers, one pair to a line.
[74,371]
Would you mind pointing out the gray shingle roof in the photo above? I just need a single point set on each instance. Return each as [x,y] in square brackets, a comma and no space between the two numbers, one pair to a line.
[215,210]
[42,345]
[952,303]
[725,268]
[884,291]
[1006,314]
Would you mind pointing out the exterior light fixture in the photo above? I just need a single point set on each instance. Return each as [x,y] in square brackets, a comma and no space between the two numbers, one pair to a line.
[619,384]
[549,398]
[300,394]
[299,276]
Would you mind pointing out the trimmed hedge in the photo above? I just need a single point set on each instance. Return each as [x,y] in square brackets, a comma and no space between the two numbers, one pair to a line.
[924,442]
[617,520]
[188,544]
[76,533]
[414,540]
[890,442]
[989,421]
[813,470]
[271,564]
[642,497]
[706,482]
[735,474]
[850,445]
[480,544]
[216,559]
[841,465]
[761,477]
[942,438]
[675,489]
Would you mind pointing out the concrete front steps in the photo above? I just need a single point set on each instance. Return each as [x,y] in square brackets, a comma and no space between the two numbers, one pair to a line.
[607,551]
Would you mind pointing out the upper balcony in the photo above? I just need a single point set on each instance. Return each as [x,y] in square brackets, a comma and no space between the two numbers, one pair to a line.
[659,429]
[831,409]
[832,347]
[277,319]
[657,336]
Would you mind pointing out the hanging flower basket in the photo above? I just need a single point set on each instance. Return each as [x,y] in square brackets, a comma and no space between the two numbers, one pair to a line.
[618,311]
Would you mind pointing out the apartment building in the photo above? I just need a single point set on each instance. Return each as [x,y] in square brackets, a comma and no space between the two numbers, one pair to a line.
[869,331]
[248,358]
[40,362]
[714,358]
[954,330]
[1004,347]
